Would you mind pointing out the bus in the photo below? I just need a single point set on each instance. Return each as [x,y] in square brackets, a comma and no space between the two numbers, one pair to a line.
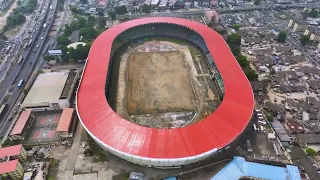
[20,83]
[254,127]
[3,109]
[20,59]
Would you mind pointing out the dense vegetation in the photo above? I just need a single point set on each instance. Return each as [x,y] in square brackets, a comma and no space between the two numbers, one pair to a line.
[234,42]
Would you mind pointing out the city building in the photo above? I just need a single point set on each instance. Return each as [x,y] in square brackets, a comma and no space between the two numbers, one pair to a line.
[13,152]
[239,168]
[51,91]
[300,26]
[212,17]
[315,36]
[218,133]
[65,122]
[22,125]
[291,23]
[11,170]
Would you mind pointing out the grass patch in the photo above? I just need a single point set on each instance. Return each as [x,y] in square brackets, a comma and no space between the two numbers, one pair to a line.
[53,169]
[122,176]
[96,151]
[282,16]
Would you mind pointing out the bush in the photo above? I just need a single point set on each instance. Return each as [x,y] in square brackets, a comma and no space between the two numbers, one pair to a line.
[311,152]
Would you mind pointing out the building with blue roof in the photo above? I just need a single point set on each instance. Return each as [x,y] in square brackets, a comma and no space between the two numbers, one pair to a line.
[239,167]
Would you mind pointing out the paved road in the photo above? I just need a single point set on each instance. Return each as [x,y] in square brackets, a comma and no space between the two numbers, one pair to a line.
[24,70]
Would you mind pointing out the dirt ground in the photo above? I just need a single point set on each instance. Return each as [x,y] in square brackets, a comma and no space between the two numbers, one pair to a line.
[158,82]
[179,89]
[3,19]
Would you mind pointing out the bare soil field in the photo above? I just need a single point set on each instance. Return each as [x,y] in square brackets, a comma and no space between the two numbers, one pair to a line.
[158,82]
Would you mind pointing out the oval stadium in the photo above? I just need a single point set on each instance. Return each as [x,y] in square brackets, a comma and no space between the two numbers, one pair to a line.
[163,92]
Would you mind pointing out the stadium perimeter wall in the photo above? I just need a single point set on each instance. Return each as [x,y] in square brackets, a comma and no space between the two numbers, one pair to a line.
[174,161]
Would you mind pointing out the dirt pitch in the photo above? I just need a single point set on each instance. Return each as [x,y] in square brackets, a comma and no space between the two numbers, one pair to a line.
[158,82]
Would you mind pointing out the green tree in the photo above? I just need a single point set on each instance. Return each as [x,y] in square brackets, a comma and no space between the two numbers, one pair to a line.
[102,22]
[120,10]
[73,25]
[234,39]
[100,12]
[67,30]
[251,74]
[145,8]
[243,61]
[235,49]
[88,33]
[91,20]
[81,23]
[305,39]
[8,143]
[313,13]
[48,58]
[270,118]
[311,152]
[63,40]
[112,15]
[282,36]
[256,2]
[236,26]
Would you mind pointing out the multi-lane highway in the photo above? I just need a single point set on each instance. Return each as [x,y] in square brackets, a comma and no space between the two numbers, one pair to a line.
[25,68]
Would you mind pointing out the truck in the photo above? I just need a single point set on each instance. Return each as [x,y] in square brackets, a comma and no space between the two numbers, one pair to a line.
[51,7]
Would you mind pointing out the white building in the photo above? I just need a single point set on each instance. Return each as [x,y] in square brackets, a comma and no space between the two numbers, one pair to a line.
[51,91]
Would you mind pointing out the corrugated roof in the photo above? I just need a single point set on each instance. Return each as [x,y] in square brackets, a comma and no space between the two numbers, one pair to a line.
[10,151]
[216,131]
[8,166]
[21,122]
[239,167]
[65,119]
[46,88]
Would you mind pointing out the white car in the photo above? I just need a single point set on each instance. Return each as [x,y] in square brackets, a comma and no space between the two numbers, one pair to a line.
[41,38]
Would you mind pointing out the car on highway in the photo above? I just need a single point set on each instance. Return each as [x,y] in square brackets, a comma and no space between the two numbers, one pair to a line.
[9,118]
[41,38]
[34,51]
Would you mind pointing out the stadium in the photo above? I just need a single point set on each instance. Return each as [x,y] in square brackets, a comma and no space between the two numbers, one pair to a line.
[141,73]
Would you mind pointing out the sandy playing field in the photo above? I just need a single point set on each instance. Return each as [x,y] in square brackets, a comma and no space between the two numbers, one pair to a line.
[3,19]
[158,82]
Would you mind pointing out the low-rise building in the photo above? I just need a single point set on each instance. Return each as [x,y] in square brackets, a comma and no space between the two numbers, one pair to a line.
[22,125]
[51,91]
[13,152]
[212,17]
[11,170]
[65,121]
[300,26]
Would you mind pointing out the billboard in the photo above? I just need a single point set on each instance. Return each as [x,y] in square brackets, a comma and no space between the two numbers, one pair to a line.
[55,52]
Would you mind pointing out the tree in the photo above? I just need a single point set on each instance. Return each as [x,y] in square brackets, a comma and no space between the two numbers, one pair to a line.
[8,142]
[234,39]
[145,8]
[91,20]
[67,30]
[81,23]
[282,36]
[48,58]
[236,26]
[102,22]
[121,10]
[63,40]
[243,61]
[256,2]
[270,118]
[88,33]
[100,12]
[84,1]
[311,152]
[251,74]
[112,15]
[305,39]
[313,13]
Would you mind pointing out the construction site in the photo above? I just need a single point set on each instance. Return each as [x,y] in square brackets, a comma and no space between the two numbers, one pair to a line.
[162,84]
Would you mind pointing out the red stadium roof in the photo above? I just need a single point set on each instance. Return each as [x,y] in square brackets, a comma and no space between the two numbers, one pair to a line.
[218,130]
